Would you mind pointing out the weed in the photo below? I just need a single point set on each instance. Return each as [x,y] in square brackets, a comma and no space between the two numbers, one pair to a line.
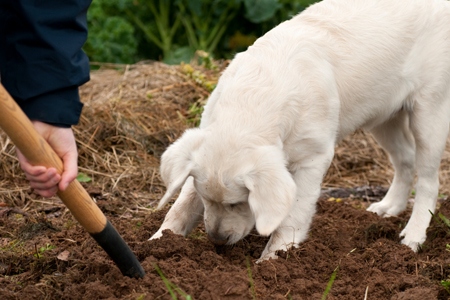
[446,222]
[13,246]
[444,219]
[250,278]
[195,111]
[39,253]
[446,285]
[199,77]
[14,279]
[441,219]
[81,177]
[198,235]
[172,288]
[69,223]
[330,284]
[205,59]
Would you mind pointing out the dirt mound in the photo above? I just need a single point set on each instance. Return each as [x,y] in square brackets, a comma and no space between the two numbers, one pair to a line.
[131,114]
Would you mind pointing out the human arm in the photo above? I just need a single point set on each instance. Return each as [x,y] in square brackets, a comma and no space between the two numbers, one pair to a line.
[42,66]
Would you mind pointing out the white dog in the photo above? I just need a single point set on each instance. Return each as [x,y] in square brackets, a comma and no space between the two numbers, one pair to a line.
[269,129]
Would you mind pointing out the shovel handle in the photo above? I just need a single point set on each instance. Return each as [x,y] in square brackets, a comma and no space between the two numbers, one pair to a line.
[38,152]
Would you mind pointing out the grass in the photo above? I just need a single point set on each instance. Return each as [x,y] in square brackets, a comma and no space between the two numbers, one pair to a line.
[173,289]
[250,278]
[330,283]
[444,220]
[13,246]
[39,252]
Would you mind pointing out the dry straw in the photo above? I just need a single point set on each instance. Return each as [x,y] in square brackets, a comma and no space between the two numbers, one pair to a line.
[133,112]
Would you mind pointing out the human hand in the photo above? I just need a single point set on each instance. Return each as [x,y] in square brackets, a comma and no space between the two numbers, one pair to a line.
[46,181]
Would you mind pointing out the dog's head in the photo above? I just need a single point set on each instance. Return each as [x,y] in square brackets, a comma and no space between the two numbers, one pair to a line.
[241,184]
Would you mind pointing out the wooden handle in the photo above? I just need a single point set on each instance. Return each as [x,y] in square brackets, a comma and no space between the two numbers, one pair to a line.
[38,152]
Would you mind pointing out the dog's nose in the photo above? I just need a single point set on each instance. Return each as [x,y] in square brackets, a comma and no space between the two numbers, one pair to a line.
[217,239]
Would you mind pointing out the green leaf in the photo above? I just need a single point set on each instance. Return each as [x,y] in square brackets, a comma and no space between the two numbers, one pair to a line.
[83,178]
[111,36]
[258,11]
[330,284]
[444,219]
[179,55]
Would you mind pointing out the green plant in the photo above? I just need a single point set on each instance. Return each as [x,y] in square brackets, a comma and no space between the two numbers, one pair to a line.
[199,77]
[330,284]
[172,288]
[446,285]
[444,219]
[258,11]
[124,31]
[444,222]
[39,252]
[82,177]
[205,59]
[441,219]
[69,224]
[111,36]
[198,235]
[195,109]
[157,22]
[250,278]
[13,245]
[205,22]
[194,113]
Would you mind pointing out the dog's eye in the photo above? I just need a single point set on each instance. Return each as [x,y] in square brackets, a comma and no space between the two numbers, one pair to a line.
[234,205]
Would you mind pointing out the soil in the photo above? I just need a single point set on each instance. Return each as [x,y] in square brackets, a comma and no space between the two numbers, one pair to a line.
[350,253]
[362,249]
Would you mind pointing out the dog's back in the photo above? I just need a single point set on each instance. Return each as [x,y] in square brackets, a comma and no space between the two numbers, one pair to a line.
[383,53]
[370,56]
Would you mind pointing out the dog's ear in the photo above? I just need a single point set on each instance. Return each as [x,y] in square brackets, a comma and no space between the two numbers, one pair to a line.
[177,163]
[272,189]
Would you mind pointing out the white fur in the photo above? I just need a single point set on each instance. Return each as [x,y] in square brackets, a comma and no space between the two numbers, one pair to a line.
[269,129]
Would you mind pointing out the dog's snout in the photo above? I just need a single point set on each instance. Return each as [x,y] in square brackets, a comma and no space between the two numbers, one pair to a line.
[217,238]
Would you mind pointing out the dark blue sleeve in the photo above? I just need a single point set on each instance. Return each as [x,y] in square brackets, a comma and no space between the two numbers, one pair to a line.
[41,60]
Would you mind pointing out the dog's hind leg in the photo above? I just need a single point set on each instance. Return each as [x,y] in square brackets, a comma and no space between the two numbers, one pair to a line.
[396,138]
[430,126]
[185,213]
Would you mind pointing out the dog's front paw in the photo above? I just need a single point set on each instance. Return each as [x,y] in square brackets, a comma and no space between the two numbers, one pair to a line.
[385,209]
[267,256]
[157,235]
[274,246]
[412,239]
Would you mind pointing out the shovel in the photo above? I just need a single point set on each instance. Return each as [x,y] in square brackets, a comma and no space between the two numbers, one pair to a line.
[38,152]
